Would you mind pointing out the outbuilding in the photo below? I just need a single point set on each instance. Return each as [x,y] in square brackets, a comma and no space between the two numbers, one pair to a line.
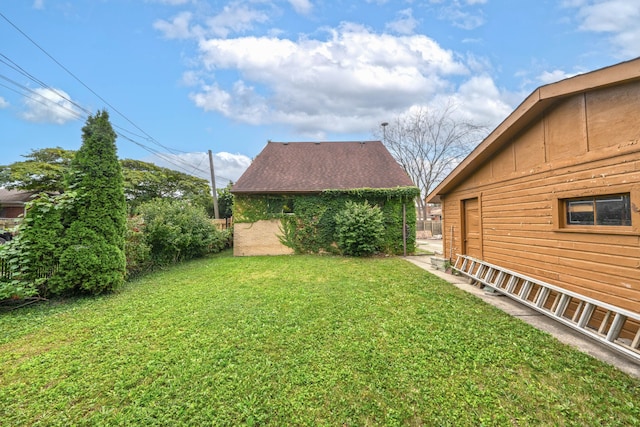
[554,191]
[13,202]
[287,199]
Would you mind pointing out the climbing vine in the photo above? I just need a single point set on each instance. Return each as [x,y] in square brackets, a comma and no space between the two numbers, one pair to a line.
[308,220]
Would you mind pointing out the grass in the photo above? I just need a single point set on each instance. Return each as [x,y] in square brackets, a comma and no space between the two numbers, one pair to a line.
[296,341]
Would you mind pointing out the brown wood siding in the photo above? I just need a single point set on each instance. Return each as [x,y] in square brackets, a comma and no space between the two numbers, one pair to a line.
[529,148]
[608,111]
[585,145]
[451,230]
[503,164]
[565,129]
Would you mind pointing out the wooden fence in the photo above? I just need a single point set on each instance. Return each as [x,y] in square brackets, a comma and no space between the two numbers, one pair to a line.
[427,229]
[4,270]
[223,223]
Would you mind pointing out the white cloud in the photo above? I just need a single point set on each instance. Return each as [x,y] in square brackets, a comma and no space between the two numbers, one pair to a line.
[303,7]
[619,18]
[3,103]
[227,166]
[38,4]
[314,84]
[609,15]
[50,106]
[405,23]
[235,18]
[462,18]
[554,76]
[178,27]
[191,78]
[479,100]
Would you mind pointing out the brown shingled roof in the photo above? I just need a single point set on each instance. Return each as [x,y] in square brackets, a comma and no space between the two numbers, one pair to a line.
[297,167]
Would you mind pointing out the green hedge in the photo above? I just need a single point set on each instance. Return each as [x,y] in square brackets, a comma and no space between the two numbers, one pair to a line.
[308,220]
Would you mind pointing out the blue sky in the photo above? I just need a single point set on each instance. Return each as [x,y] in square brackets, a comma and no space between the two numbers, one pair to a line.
[180,77]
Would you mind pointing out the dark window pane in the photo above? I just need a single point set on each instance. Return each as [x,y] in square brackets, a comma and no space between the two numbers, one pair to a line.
[613,210]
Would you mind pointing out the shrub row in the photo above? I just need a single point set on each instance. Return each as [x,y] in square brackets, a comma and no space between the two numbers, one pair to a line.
[163,232]
[170,231]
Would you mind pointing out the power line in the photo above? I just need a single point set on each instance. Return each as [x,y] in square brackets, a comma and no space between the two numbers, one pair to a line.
[43,100]
[149,137]
[13,65]
[167,159]
[39,98]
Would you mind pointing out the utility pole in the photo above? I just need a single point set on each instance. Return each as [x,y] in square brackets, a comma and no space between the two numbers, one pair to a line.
[213,187]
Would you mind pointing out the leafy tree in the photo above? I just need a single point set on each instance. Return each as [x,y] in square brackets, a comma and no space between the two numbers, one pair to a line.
[144,182]
[43,171]
[429,143]
[359,229]
[225,201]
[93,259]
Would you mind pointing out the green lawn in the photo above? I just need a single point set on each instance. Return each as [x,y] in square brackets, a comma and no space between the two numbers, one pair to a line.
[298,340]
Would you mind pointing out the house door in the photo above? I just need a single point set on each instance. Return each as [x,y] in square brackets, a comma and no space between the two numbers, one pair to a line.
[471,228]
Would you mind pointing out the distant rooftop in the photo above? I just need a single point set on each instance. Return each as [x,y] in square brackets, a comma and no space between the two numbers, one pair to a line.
[14,197]
[298,167]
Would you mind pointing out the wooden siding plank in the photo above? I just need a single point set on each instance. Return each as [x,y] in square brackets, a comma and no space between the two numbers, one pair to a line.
[597,242]
[581,252]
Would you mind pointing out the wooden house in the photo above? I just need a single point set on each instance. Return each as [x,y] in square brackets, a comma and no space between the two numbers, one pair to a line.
[305,180]
[12,206]
[554,191]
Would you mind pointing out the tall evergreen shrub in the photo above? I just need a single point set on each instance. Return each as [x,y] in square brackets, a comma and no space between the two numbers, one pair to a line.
[93,259]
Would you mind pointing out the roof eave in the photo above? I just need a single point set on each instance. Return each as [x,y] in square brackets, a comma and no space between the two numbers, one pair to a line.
[523,114]
[316,191]
[533,106]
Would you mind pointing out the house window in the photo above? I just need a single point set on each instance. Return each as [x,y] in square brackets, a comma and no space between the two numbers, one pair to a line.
[280,205]
[609,210]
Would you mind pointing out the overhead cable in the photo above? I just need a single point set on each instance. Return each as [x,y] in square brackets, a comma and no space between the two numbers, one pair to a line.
[43,100]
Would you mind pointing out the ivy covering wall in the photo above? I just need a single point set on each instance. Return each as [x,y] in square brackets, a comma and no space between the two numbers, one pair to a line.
[308,220]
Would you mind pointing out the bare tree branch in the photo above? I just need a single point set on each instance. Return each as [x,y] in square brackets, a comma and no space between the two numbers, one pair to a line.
[430,143]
